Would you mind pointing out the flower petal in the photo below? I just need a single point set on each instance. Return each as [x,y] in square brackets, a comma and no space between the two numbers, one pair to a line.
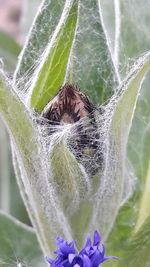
[89,256]
[97,239]
[71,257]
[86,247]
[87,261]
[49,260]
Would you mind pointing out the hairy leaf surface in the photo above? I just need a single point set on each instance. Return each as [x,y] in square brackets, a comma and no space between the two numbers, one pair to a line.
[18,244]
[9,51]
[137,252]
[41,31]
[118,136]
[51,73]
[91,65]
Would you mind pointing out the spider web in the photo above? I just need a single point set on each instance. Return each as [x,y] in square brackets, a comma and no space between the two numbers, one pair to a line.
[62,180]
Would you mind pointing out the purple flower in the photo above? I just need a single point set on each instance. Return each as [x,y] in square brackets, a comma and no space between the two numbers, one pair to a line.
[89,256]
[63,252]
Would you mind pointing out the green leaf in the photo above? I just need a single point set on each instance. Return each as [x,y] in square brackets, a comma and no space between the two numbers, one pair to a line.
[9,51]
[29,10]
[91,67]
[51,73]
[118,136]
[18,244]
[26,147]
[138,153]
[134,39]
[10,200]
[72,187]
[64,163]
[108,16]
[112,23]
[125,221]
[137,252]
[5,174]
[144,210]
[34,174]
[11,107]
[41,31]
[105,203]
[122,230]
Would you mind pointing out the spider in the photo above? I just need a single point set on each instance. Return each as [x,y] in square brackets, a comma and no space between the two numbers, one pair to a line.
[70,105]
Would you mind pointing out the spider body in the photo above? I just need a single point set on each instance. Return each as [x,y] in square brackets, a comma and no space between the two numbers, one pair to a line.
[70,105]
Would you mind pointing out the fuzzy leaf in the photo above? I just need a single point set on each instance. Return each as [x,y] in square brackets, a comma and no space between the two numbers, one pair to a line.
[68,176]
[91,67]
[28,13]
[34,173]
[144,210]
[113,181]
[112,23]
[5,174]
[135,40]
[137,253]
[10,200]
[25,145]
[17,119]
[47,18]
[9,51]
[72,186]
[108,16]
[51,73]
[18,244]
